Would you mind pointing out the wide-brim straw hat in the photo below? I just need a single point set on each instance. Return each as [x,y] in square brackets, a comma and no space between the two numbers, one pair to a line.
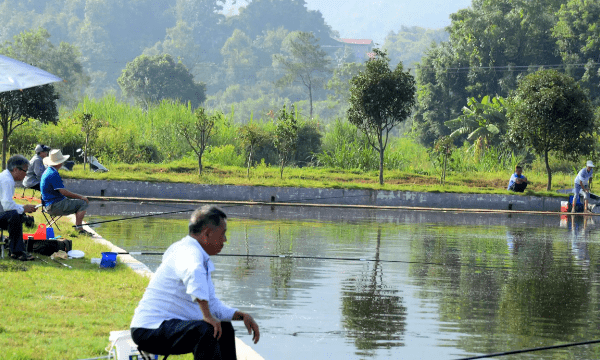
[589,163]
[55,157]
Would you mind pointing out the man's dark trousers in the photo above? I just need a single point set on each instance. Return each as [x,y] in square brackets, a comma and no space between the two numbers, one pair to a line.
[11,221]
[519,187]
[184,337]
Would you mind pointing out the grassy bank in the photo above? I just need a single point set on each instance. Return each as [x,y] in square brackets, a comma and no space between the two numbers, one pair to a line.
[186,171]
[49,311]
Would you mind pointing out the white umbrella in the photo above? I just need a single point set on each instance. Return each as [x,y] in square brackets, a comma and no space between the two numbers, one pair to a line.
[16,75]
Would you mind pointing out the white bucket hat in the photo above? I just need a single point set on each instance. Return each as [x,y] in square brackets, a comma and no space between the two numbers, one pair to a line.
[55,157]
[589,163]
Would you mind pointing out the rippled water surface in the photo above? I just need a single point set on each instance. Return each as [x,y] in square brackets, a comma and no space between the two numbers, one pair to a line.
[396,285]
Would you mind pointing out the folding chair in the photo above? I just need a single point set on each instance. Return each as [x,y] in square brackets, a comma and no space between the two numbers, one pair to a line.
[50,219]
[147,356]
[3,242]
[32,193]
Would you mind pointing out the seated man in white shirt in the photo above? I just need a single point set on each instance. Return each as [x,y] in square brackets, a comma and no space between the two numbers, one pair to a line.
[11,217]
[179,312]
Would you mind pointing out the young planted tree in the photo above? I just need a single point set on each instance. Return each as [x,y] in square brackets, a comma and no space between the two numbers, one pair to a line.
[90,126]
[19,106]
[306,62]
[379,100]
[252,136]
[197,132]
[551,113]
[286,137]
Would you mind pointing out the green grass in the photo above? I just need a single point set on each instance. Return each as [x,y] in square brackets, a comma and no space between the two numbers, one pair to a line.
[186,171]
[49,311]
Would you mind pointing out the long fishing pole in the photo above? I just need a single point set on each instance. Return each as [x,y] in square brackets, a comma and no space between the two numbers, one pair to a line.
[505,353]
[283,256]
[294,257]
[226,206]
[137,217]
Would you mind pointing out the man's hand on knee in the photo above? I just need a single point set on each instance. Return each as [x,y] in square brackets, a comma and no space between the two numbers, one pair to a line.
[216,326]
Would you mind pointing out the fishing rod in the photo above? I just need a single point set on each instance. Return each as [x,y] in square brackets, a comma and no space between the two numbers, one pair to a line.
[151,253]
[513,352]
[137,217]
[226,206]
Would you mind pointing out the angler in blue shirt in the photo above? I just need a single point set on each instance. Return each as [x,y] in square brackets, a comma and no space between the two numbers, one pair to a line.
[518,181]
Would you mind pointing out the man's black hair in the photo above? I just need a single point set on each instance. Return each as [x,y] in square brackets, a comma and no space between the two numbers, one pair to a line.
[204,216]
[16,161]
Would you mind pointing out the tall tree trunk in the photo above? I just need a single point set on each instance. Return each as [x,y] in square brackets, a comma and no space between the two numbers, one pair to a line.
[4,148]
[381,150]
[249,163]
[85,152]
[310,99]
[548,171]
[200,164]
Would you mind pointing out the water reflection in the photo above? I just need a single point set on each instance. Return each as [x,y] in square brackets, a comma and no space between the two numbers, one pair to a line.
[372,310]
[469,284]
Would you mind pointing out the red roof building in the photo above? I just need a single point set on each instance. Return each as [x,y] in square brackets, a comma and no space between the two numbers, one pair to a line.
[360,47]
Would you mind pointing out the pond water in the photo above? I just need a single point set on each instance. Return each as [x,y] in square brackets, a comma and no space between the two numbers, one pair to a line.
[432,285]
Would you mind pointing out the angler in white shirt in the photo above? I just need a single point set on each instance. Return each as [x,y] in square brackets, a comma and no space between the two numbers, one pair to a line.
[582,184]
[179,312]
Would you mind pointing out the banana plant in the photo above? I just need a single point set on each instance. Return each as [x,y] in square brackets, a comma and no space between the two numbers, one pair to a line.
[480,120]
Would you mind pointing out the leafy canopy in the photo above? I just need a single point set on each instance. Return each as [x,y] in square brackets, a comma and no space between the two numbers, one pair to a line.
[150,79]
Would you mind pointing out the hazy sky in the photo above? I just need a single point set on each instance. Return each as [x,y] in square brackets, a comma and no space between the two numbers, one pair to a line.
[374,19]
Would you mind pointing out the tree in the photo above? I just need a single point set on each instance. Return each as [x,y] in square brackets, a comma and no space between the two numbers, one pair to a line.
[252,136]
[34,47]
[286,137]
[149,79]
[90,126]
[410,43]
[19,106]
[340,81]
[379,100]
[179,43]
[551,113]
[306,62]
[197,133]
[577,34]
[293,15]
[239,58]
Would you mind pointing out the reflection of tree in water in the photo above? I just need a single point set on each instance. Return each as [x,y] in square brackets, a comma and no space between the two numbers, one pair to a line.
[281,268]
[245,265]
[373,314]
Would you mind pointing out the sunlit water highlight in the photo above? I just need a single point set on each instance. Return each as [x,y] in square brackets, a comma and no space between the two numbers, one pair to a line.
[468,284]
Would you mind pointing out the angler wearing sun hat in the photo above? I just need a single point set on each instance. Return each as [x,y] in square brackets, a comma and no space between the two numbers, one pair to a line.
[56,199]
[582,184]
[36,168]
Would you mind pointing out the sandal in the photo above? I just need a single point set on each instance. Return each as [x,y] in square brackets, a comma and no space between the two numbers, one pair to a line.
[84,232]
[23,256]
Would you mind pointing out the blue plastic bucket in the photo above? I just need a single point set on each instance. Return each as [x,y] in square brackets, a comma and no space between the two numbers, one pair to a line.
[109,260]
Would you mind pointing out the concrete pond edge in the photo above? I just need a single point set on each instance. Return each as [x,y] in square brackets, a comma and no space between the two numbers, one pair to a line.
[347,197]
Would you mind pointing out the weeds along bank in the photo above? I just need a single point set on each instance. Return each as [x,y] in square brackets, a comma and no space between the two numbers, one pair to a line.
[133,135]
